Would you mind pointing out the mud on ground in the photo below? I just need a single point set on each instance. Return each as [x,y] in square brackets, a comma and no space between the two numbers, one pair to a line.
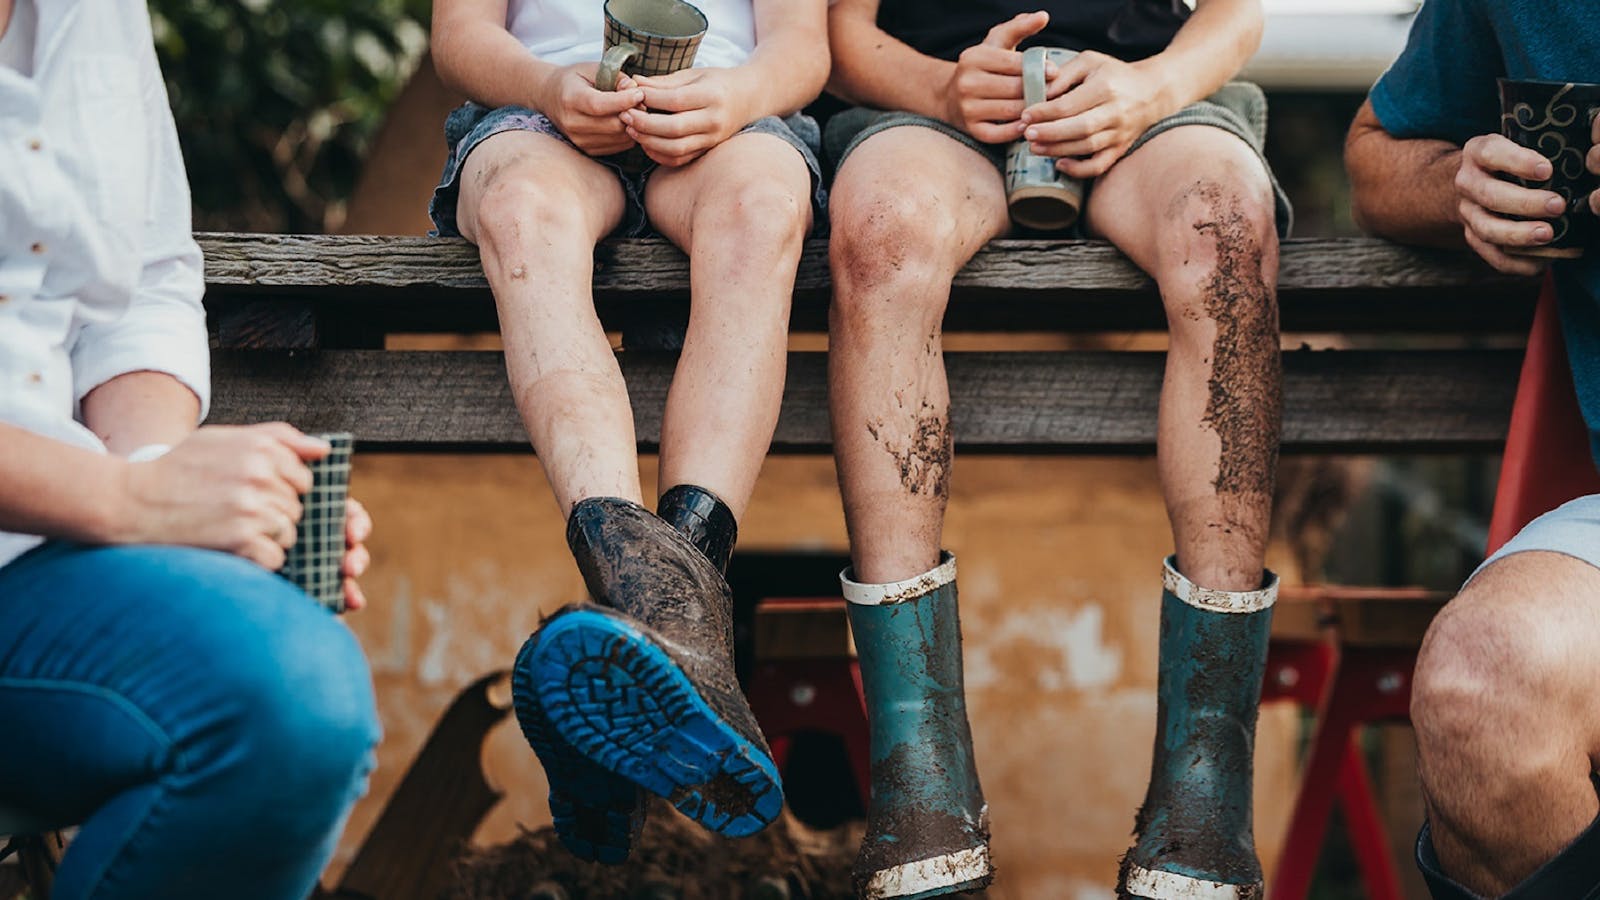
[675,860]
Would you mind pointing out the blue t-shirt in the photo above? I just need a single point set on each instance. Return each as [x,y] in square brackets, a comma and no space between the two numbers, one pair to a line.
[1443,87]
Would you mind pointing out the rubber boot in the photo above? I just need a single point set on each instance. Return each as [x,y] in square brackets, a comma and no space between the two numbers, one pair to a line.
[704,519]
[1193,836]
[927,825]
[1574,873]
[643,682]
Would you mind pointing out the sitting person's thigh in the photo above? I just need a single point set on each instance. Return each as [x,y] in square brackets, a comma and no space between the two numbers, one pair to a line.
[1140,203]
[753,184]
[126,665]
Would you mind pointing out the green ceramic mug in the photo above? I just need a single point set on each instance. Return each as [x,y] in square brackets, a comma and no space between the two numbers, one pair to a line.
[649,37]
[1039,195]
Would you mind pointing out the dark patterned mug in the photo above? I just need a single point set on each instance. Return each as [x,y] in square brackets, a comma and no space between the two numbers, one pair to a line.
[1556,118]
[316,561]
[649,37]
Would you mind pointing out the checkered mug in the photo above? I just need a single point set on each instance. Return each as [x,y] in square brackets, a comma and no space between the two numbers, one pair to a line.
[315,562]
[649,37]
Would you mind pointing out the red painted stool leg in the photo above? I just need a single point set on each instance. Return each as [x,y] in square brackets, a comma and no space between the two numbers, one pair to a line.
[1368,839]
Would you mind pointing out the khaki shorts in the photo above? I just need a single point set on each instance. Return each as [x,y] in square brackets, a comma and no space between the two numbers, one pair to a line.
[1239,108]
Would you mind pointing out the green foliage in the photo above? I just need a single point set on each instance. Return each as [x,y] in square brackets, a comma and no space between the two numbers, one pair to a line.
[276,100]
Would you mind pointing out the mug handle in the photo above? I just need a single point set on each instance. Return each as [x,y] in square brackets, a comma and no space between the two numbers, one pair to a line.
[605,78]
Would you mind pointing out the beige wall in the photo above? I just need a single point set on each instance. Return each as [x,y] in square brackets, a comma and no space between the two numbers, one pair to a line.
[1059,588]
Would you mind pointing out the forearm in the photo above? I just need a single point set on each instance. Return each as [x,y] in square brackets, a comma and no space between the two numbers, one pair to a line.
[1207,51]
[484,61]
[872,68]
[787,71]
[1403,190]
[139,409]
[56,490]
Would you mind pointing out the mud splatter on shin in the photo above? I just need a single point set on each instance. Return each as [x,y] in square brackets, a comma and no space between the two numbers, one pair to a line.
[925,456]
[1245,402]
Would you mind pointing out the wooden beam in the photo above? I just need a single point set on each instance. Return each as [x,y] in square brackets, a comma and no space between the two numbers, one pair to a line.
[1085,402]
[431,284]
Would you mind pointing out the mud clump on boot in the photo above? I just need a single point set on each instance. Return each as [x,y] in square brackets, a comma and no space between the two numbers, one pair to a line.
[673,858]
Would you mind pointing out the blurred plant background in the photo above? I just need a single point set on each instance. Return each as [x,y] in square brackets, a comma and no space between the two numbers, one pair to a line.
[276,101]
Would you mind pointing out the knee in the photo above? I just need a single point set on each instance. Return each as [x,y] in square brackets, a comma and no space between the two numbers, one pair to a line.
[518,199]
[1487,679]
[1217,251]
[897,238]
[764,216]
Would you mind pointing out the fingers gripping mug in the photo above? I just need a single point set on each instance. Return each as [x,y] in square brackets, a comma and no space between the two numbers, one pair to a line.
[1039,195]
[1557,119]
[649,37]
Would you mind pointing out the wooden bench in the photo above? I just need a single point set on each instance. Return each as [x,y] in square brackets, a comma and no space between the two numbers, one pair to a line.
[1431,349]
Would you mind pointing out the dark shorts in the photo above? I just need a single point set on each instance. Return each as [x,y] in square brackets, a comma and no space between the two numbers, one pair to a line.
[1239,108]
[470,125]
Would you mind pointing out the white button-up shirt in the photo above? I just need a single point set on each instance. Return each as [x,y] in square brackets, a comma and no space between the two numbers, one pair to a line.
[99,274]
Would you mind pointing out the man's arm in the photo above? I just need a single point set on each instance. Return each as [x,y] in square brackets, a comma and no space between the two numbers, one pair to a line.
[476,56]
[1424,191]
[1100,105]
[145,377]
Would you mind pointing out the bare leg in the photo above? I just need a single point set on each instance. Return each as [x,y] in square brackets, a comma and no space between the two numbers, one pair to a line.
[900,233]
[1193,207]
[1507,718]
[535,207]
[741,212]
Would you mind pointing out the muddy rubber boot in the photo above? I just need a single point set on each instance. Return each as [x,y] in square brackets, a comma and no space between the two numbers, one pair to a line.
[1574,873]
[927,825]
[704,519]
[642,682]
[1193,836]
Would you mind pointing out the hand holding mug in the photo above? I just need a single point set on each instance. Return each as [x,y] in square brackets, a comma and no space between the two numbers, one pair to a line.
[224,488]
[588,116]
[687,113]
[1098,106]
[1498,214]
[984,95]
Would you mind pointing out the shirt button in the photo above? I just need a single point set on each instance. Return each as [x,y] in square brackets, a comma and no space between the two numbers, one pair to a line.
[37,248]
[4,298]
[35,378]
[35,145]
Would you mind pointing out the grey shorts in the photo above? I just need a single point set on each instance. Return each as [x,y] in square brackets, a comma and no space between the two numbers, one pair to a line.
[1239,108]
[470,125]
[1571,529]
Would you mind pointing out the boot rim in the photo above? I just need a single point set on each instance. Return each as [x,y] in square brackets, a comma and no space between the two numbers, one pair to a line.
[963,867]
[1212,600]
[1157,884]
[901,591]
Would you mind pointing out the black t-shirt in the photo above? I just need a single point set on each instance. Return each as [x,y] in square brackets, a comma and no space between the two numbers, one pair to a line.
[1126,29]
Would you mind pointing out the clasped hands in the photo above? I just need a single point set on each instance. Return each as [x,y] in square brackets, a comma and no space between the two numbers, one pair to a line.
[1488,205]
[1095,106]
[674,118]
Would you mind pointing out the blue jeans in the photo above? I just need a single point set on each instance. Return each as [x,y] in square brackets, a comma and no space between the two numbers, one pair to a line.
[207,724]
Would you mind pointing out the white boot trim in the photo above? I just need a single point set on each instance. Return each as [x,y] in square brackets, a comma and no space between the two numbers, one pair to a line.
[899,591]
[1218,601]
[909,879]
[1155,885]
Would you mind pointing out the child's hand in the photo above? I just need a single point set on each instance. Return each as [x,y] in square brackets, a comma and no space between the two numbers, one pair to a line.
[587,115]
[695,110]
[1098,106]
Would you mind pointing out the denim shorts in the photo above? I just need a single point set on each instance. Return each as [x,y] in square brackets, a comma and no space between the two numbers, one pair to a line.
[1238,108]
[470,125]
[1571,529]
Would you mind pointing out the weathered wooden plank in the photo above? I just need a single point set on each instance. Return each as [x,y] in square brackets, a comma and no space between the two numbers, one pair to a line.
[1093,402]
[430,284]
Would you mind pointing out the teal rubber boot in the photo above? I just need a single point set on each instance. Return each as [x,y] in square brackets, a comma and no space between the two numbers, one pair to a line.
[927,825]
[1193,836]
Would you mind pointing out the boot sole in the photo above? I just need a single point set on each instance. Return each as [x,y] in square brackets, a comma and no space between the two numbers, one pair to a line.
[601,826]
[622,702]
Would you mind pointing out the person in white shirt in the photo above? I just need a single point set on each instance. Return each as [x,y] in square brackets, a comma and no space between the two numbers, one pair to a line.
[205,724]
[636,691]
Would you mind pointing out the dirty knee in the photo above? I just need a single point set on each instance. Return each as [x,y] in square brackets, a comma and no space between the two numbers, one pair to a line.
[515,205]
[757,213]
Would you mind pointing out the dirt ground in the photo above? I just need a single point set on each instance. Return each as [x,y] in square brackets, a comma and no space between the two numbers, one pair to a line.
[675,860]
